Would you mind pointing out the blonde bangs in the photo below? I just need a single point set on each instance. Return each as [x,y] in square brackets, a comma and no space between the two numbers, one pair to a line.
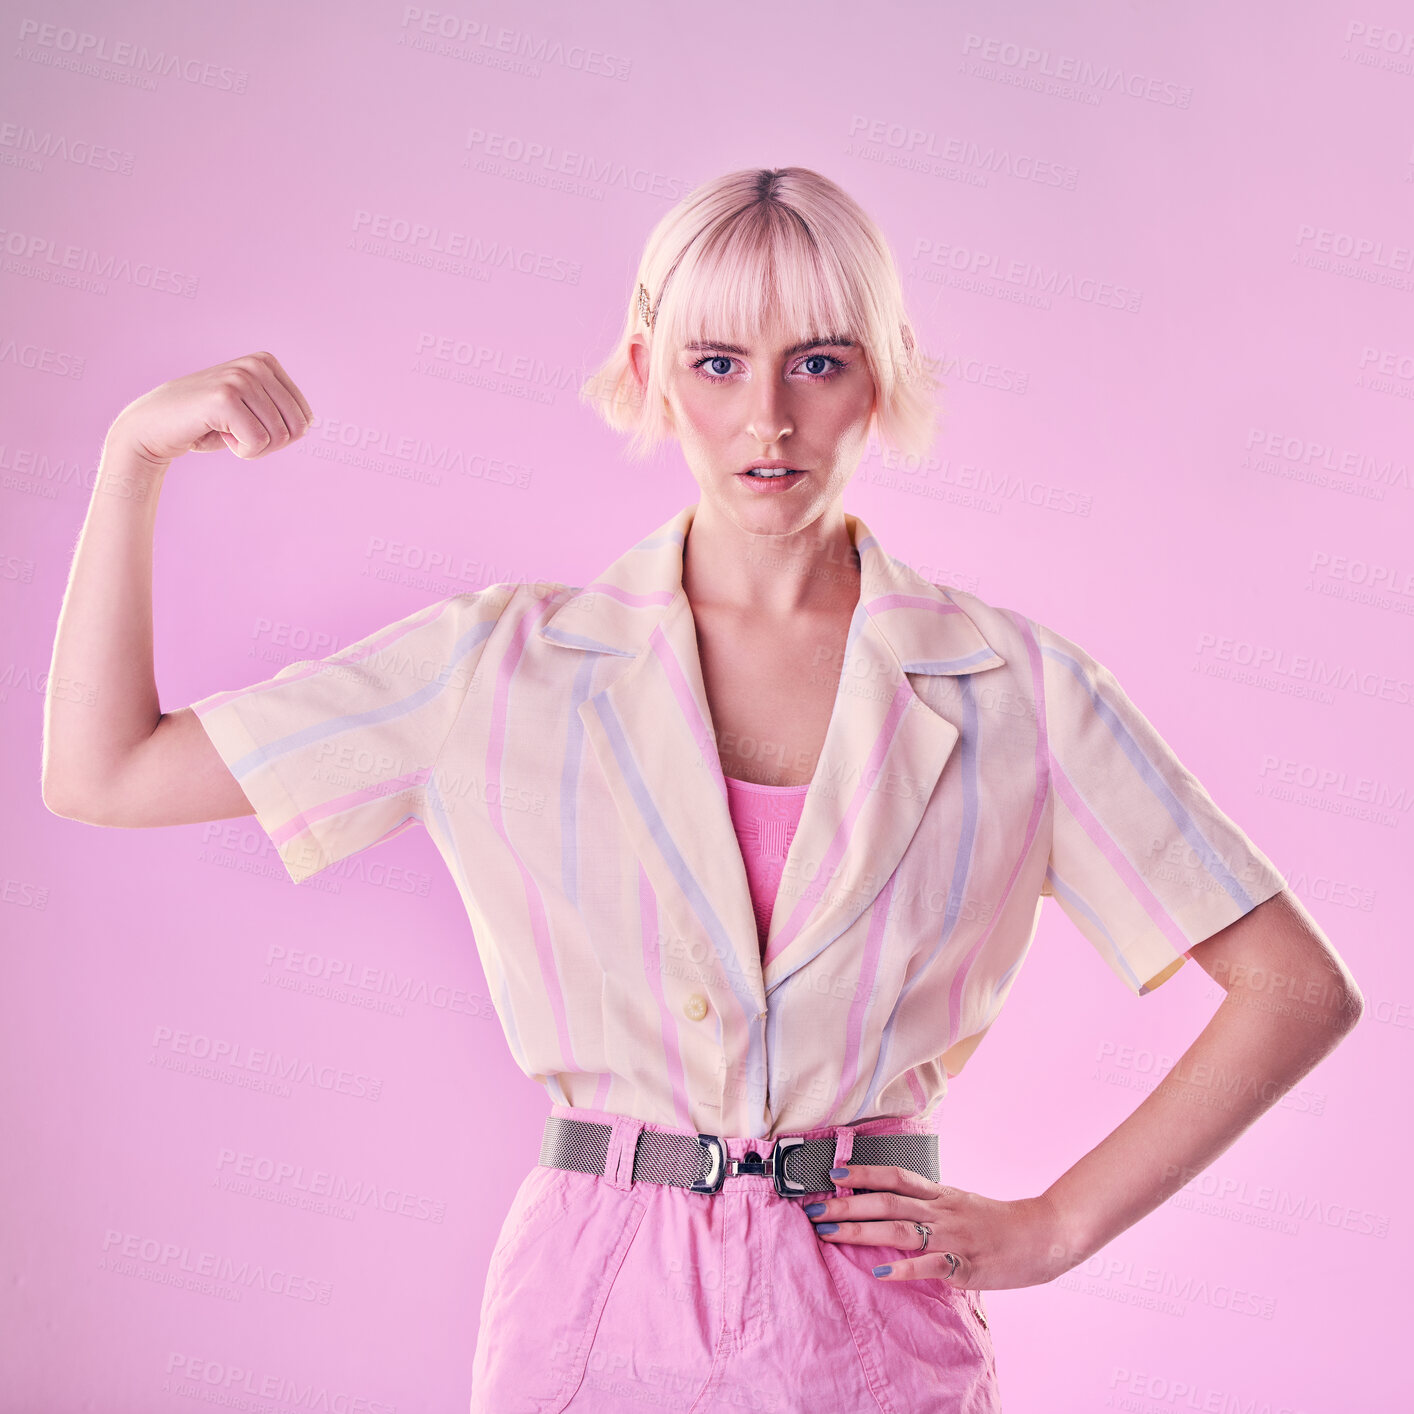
[763,267]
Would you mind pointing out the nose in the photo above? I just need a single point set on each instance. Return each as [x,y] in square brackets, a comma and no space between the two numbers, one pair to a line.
[769,420]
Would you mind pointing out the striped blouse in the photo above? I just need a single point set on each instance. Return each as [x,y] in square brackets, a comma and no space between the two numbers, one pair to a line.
[556,743]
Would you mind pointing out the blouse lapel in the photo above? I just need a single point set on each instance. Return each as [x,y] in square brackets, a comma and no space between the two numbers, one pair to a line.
[651,732]
[885,749]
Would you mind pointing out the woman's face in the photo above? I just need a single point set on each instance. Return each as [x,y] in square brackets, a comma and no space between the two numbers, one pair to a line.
[735,404]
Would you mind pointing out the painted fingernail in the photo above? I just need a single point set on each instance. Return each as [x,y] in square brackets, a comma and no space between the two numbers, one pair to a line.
[839,1172]
[813,1210]
[827,1227]
[882,1271]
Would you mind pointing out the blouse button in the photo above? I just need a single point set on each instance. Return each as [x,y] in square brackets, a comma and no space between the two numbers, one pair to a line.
[695,1008]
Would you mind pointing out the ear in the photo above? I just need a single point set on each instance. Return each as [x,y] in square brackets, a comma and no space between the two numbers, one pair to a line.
[871,432]
[638,360]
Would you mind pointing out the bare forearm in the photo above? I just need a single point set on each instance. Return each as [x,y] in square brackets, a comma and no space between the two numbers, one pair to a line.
[1243,1061]
[101,701]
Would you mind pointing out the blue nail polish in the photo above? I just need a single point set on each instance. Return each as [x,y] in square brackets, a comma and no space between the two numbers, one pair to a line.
[827,1227]
[839,1172]
[882,1271]
[813,1210]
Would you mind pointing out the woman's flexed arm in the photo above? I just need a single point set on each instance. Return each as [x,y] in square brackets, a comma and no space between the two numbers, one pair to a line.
[111,756]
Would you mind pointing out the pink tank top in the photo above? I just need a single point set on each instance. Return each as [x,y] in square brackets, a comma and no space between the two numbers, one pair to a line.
[765,819]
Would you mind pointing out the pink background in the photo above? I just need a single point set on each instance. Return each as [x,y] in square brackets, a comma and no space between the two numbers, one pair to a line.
[1167,252]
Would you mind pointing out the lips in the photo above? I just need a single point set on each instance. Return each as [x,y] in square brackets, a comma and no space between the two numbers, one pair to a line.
[772,480]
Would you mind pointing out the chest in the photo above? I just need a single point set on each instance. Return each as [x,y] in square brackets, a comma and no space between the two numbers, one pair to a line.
[771,687]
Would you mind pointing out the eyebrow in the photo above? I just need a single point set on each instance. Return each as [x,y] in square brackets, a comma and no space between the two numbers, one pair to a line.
[831,341]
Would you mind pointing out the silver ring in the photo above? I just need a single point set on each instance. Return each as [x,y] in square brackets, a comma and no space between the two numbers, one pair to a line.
[925,1233]
[953,1261]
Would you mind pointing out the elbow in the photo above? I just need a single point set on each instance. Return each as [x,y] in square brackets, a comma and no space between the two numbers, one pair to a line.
[1348,1001]
[1344,1006]
[54,798]
[58,790]
[57,803]
[1354,1007]
[69,804]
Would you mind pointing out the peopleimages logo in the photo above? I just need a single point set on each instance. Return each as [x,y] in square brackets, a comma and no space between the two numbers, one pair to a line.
[233,1385]
[499,46]
[1333,781]
[339,1188]
[1273,446]
[122,1252]
[37,255]
[1309,668]
[60,47]
[1030,66]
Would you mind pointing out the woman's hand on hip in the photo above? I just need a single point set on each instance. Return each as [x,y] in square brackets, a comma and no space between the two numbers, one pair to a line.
[997,1243]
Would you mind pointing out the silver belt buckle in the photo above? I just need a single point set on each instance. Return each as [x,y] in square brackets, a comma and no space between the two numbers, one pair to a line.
[786,1187]
[716,1165]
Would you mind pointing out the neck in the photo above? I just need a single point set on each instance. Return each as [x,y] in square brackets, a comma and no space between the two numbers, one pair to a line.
[813,569]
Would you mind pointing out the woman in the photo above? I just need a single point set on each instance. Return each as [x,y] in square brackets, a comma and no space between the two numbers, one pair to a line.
[754,831]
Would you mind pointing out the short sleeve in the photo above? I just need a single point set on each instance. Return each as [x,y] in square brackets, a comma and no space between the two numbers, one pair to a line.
[1142,860]
[336,754]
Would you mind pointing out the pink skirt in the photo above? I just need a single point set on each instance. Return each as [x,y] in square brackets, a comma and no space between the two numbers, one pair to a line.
[609,1295]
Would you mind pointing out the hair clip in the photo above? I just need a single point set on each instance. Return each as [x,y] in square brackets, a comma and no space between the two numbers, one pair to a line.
[645,309]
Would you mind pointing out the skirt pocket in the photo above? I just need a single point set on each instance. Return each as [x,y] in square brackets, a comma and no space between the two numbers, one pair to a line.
[967,1304]
[539,1203]
[922,1341]
[559,1250]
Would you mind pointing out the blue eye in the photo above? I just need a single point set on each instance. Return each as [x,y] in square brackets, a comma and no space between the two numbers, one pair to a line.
[832,363]
[714,358]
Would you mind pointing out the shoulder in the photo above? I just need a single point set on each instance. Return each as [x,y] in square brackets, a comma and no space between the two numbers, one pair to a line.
[1014,634]
[1061,679]
[1004,626]
[508,600]
[503,618]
